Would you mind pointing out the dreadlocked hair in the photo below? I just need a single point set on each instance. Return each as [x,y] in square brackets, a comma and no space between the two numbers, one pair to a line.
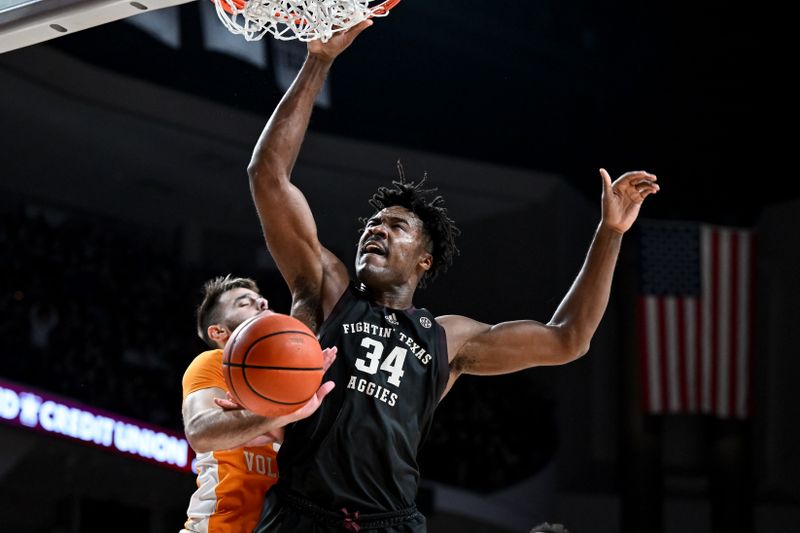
[440,229]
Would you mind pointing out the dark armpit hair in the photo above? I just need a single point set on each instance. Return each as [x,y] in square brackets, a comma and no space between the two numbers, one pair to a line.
[440,229]
[208,310]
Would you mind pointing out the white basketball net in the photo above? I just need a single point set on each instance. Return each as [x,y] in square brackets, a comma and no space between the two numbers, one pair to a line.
[305,20]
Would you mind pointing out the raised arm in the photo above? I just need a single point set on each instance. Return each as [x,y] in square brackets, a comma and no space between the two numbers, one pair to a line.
[315,277]
[477,348]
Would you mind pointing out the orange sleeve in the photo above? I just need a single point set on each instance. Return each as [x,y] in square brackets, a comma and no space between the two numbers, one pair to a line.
[204,372]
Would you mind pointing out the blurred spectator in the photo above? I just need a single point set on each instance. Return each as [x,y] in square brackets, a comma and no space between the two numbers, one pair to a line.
[549,528]
[43,318]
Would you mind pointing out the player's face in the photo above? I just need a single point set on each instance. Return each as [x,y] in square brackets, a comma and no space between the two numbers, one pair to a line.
[239,304]
[391,248]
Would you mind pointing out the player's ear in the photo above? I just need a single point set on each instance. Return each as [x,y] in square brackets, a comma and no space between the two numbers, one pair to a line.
[218,333]
[426,261]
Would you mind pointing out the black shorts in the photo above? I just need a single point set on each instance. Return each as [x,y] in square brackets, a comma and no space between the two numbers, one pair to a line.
[289,513]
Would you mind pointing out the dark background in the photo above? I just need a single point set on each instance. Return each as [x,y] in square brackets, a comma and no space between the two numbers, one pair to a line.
[115,211]
[681,89]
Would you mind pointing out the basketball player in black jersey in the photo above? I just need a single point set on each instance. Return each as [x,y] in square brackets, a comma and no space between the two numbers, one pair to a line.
[352,464]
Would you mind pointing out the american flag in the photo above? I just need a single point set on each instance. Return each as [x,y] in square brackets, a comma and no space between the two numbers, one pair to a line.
[695,315]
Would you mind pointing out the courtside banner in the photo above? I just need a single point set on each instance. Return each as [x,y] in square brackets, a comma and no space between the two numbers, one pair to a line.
[33,409]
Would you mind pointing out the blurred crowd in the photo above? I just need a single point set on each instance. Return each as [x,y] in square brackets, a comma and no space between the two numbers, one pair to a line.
[489,433]
[93,310]
[103,312]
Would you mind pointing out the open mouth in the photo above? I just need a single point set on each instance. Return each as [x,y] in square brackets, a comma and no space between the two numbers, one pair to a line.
[373,247]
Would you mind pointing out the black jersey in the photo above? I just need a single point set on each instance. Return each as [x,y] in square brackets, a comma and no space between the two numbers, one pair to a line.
[359,449]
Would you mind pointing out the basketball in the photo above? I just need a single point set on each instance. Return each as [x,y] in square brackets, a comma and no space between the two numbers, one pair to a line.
[272,364]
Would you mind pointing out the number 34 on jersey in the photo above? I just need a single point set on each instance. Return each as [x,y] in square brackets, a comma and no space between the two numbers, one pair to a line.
[377,357]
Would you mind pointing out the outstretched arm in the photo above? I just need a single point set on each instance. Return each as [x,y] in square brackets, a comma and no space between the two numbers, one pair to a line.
[478,348]
[315,277]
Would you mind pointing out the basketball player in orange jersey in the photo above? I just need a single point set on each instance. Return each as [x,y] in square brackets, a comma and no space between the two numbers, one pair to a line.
[235,448]
[352,464]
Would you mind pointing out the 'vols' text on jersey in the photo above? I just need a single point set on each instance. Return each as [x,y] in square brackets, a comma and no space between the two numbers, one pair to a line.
[359,449]
[230,483]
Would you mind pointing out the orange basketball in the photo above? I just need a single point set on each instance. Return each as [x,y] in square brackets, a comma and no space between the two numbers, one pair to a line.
[272,364]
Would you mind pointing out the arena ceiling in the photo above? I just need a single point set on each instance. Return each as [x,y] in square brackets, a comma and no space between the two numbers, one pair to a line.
[557,87]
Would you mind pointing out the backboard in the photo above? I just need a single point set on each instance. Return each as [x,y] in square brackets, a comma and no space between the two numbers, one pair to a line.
[27,22]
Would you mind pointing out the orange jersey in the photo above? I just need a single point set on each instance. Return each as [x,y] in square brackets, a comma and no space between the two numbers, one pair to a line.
[230,484]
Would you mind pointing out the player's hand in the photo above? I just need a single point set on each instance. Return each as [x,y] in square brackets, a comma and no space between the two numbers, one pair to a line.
[623,198]
[338,42]
[227,404]
[329,355]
